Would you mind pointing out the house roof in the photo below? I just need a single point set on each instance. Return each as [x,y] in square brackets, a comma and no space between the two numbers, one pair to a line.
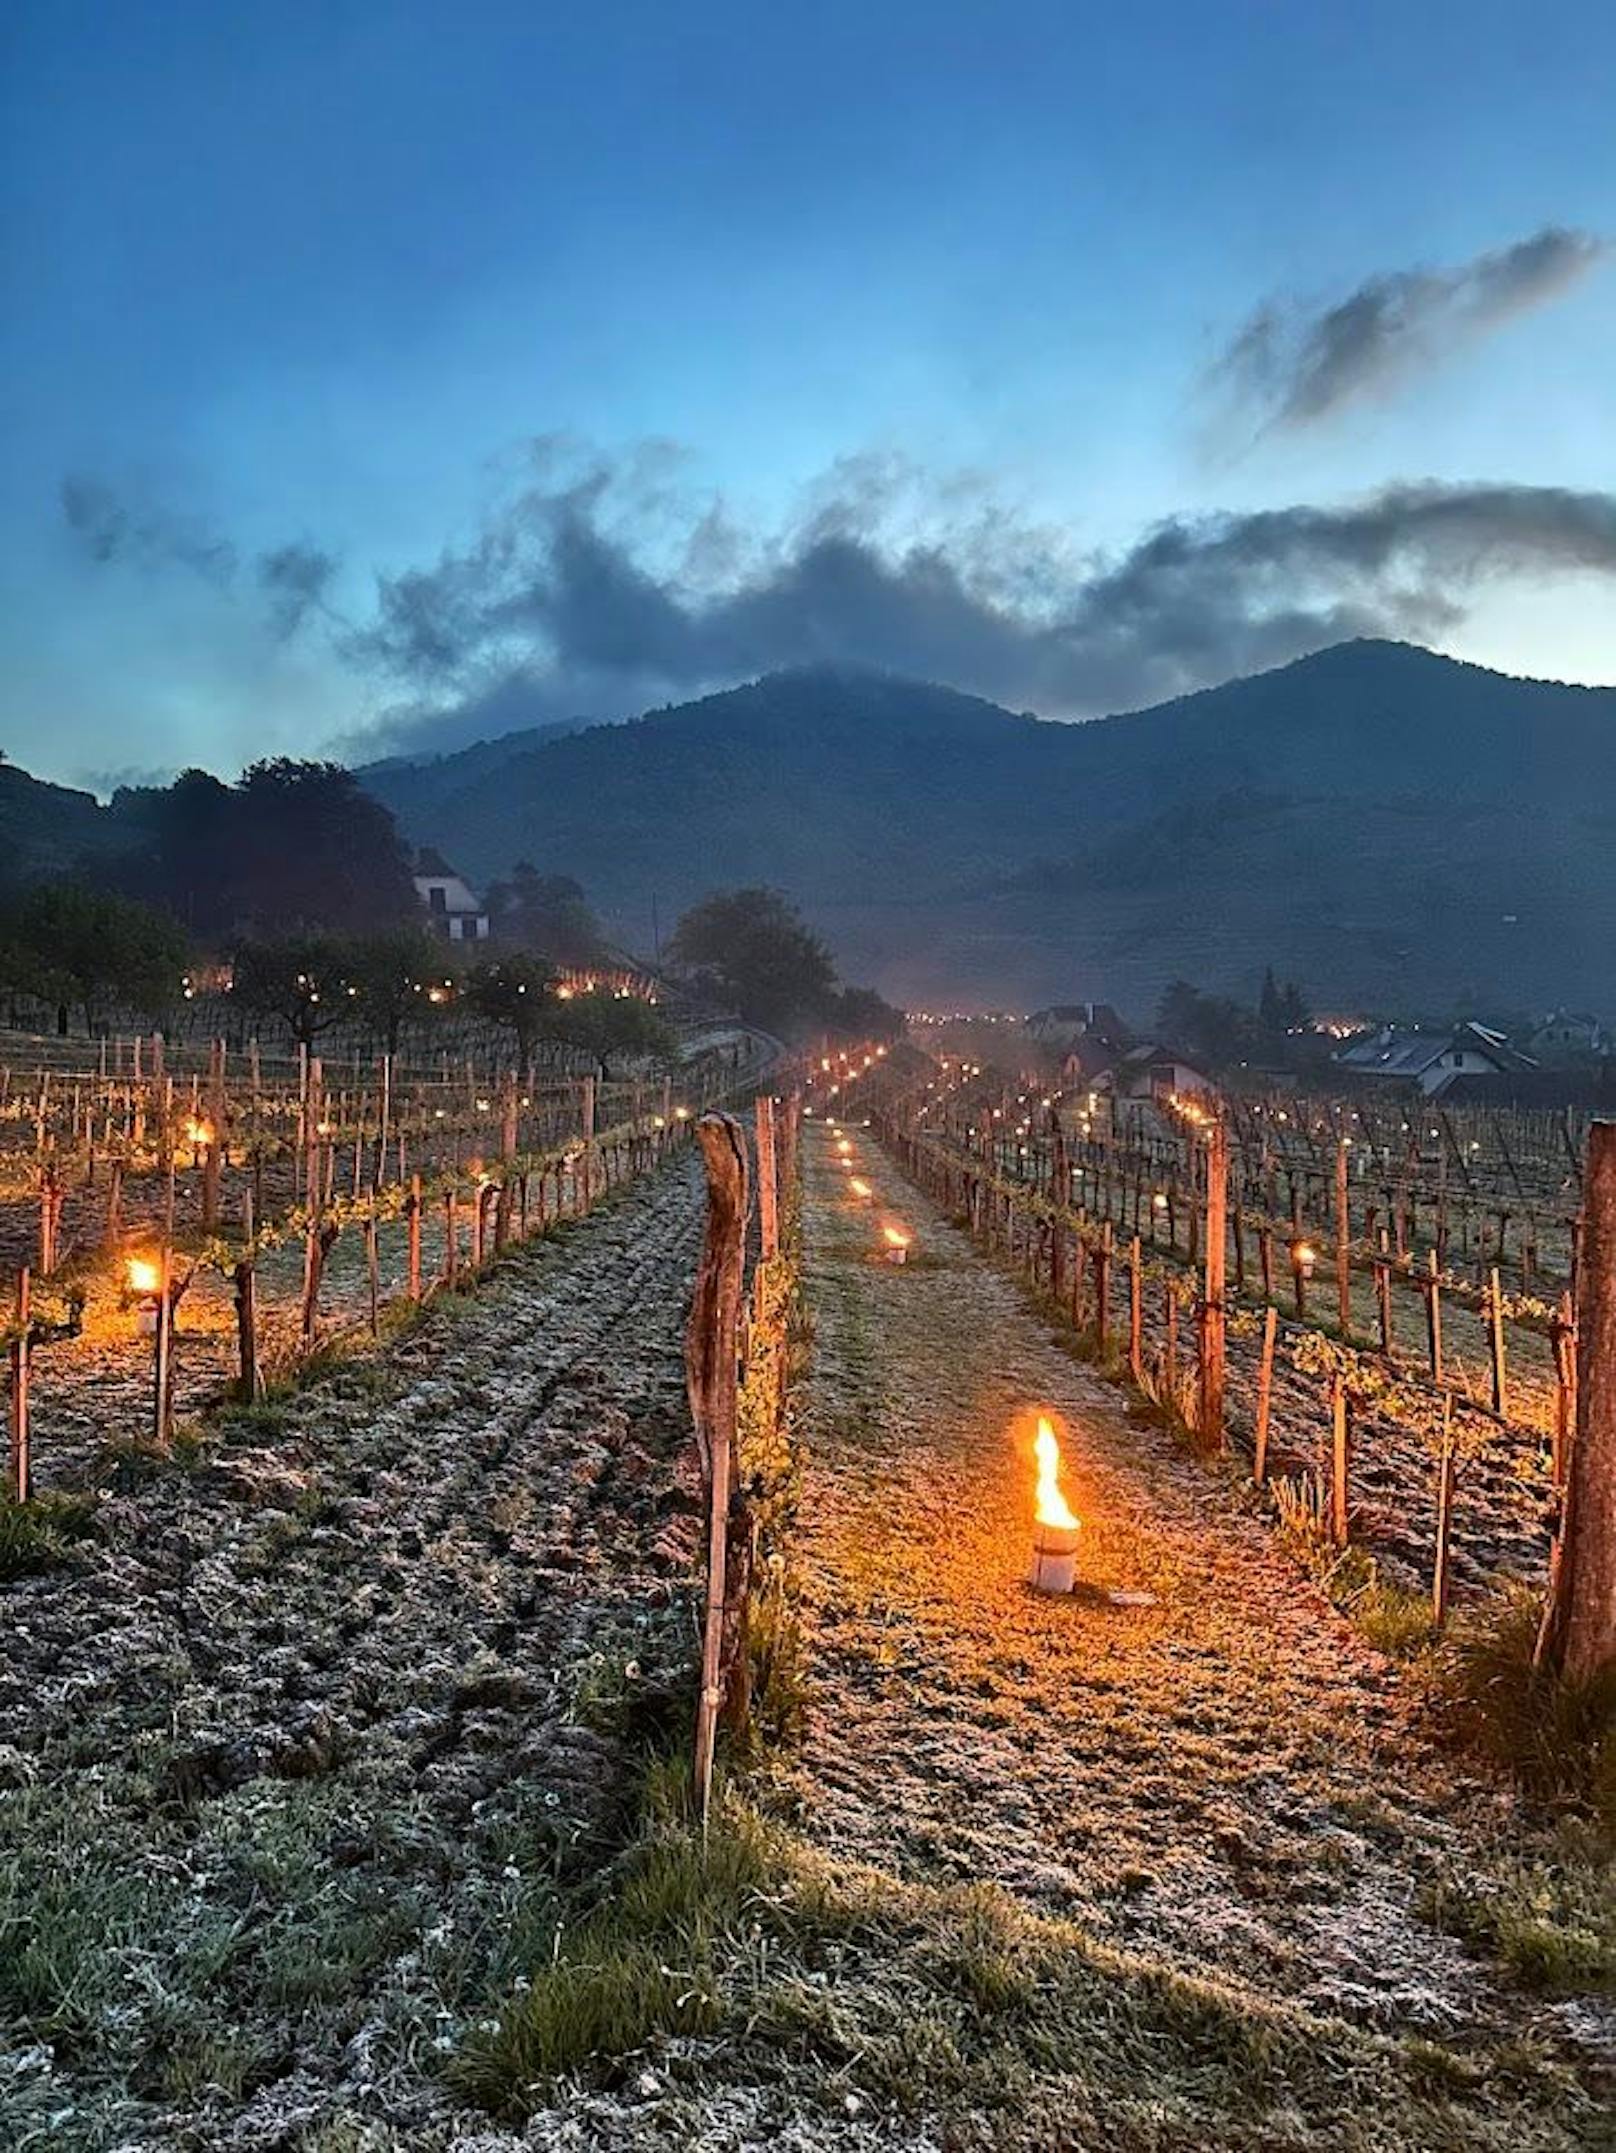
[1394,1053]
[430,862]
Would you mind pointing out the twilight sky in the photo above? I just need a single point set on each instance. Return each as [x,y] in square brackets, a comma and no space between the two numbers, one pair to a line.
[380,375]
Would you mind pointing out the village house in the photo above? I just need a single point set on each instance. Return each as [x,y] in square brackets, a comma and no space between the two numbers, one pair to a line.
[1434,1061]
[454,911]
[1155,1071]
[1569,1036]
[1067,1022]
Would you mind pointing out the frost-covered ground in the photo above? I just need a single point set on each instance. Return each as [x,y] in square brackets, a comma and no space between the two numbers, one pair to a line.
[319,1750]
[296,1746]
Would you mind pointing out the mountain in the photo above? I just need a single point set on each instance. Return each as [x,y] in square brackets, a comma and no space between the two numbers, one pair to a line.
[46,829]
[1395,828]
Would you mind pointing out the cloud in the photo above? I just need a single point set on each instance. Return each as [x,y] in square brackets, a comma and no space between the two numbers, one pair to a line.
[293,580]
[1292,366]
[143,535]
[562,608]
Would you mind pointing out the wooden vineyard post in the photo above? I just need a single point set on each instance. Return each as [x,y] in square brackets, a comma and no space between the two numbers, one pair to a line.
[1447,1473]
[1565,1386]
[710,1349]
[1578,1638]
[412,1220]
[1340,1458]
[1136,1313]
[163,1350]
[1102,1293]
[1343,1243]
[1213,1325]
[21,1355]
[1265,1256]
[1495,1336]
[588,1117]
[213,1148]
[1265,1393]
[249,1383]
[768,1205]
[1433,1316]
[1383,1302]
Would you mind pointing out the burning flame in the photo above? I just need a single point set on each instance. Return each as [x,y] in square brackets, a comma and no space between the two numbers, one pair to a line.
[1051,1507]
[858,1187]
[895,1237]
[144,1276]
[198,1134]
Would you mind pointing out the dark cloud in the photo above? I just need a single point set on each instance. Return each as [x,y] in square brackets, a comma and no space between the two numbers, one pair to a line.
[142,535]
[1292,366]
[295,580]
[557,612]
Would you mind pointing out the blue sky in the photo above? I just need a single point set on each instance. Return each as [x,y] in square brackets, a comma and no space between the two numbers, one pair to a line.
[945,281]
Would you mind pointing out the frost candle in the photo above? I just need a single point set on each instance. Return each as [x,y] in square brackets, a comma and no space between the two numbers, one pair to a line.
[1054,1528]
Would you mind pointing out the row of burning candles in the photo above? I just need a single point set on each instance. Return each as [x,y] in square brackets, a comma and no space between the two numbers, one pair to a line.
[896,1239]
[1055,1526]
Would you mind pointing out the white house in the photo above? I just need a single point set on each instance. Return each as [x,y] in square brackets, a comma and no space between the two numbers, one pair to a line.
[1432,1060]
[454,911]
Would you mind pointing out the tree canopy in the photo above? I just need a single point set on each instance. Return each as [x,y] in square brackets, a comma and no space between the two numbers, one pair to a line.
[752,948]
[290,848]
[92,951]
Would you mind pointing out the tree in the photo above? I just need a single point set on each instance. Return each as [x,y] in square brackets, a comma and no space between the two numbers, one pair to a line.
[393,973]
[318,853]
[751,948]
[302,981]
[861,1013]
[1207,1025]
[608,1024]
[290,848]
[547,914]
[93,951]
[514,993]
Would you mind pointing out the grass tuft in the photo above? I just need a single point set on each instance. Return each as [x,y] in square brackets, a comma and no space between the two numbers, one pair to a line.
[1557,1737]
[39,1533]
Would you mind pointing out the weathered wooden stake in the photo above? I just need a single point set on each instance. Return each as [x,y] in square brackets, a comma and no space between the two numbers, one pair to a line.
[1343,1242]
[1578,1638]
[1339,1458]
[1213,1315]
[412,1219]
[768,1208]
[1495,1336]
[249,1383]
[21,1357]
[1265,1392]
[710,1350]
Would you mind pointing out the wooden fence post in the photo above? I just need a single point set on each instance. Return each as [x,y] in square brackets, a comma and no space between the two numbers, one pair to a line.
[249,1384]
[21,1356]
[768,1207]
[1265,1393]
[1343,1242]
[1213,1325]
[1495,1336]
[1136,1312]
[1432,1283]
[710,1349]
[412,1216]
[1578,1638]
[1339,1458]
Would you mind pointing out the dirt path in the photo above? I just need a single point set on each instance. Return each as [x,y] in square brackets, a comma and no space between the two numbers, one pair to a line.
[303,1730]
[1227,1779]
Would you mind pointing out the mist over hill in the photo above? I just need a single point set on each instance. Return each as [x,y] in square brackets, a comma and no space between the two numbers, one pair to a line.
[1396,828]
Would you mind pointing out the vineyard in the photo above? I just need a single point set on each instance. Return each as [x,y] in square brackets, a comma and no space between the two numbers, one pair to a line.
[1399,1346]
[177,1239]
[528,1642]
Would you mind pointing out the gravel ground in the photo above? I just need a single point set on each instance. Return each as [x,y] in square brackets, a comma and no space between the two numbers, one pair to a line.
[1227,1778]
